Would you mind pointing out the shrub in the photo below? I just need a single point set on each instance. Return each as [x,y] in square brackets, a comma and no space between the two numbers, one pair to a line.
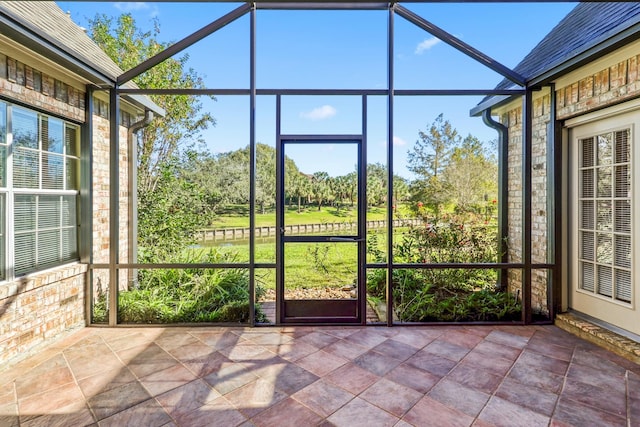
[186,295]
[446,294]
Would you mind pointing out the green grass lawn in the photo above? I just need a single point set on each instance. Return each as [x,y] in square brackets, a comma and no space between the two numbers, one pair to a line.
[308,264]
[237,216]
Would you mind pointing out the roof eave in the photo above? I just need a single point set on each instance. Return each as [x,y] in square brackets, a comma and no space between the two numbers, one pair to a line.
[48,49]
[41,45]
[609,45]
[494,101]
[145,103]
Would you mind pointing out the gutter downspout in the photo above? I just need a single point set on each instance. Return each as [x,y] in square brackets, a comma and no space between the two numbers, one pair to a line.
[132,153]
[503,191]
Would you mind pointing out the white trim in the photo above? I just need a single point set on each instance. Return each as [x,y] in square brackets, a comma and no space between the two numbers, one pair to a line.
[567,249]
[606,113]
[608,309]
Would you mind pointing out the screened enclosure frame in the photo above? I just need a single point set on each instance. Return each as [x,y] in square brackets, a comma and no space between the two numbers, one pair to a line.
[525,91]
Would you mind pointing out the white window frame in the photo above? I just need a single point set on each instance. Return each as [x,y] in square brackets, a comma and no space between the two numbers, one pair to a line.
[10,193]
[597,199]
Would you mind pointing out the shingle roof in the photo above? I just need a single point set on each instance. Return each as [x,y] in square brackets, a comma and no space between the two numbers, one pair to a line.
[48,21]
[587,25]
[44,22]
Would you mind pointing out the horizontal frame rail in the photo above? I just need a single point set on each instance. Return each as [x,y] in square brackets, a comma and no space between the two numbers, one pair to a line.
[200,265]
[332,5]
[434,266]
[354,92]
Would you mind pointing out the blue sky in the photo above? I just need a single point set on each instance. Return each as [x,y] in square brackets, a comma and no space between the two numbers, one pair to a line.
[339,50]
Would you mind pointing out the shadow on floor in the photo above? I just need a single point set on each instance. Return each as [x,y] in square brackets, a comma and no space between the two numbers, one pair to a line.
[302,376]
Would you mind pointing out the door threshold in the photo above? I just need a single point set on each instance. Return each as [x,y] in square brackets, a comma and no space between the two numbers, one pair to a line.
[621,342]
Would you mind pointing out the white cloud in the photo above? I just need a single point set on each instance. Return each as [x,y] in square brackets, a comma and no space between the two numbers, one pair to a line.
[426,44]
[399,142]
[136,6]
[320,113]
[125,6]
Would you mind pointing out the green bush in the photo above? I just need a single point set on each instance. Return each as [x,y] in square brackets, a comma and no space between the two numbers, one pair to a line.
[186,295]
[447,294]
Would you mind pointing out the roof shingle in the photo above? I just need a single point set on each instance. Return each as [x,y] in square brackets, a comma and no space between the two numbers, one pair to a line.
[48,21]
[586,26]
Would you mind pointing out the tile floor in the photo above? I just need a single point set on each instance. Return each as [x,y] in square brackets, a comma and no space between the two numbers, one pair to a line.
[329,376]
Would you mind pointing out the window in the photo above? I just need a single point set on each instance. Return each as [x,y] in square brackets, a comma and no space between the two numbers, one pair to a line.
[40,192]
[605,216]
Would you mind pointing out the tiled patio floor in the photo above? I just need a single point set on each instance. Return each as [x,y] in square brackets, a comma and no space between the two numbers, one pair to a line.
[305,376]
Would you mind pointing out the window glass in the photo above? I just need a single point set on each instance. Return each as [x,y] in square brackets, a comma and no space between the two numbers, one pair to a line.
[46,169]
[72,160]
[3,204]
[51,135]
[72,140]
[24,233]
[605,216]
[3,123]
[26,168]
[26,160]
[24,125]
[52,171]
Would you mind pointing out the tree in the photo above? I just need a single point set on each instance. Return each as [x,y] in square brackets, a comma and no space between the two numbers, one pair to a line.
[265,176]
[471,173]
[376,184]
[300,188]
[231,176]
[320,189]
[169,204]
[400,189]
[428,158]
[128,46]
[351,181]
[173,211]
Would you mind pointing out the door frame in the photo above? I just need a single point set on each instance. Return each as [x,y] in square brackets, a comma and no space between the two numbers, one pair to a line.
[346,311]
[603,309]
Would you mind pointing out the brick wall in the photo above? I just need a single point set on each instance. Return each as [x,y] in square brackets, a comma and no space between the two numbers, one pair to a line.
[40,307]
[101,211]
[606,87]
[25,84]
[603,88]
[513,119]
[44,305]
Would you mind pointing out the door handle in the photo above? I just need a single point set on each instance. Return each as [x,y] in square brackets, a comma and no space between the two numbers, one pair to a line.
[345,239]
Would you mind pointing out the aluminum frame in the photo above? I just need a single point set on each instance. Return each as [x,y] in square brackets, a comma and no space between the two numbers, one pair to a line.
[359,316]
[116,90]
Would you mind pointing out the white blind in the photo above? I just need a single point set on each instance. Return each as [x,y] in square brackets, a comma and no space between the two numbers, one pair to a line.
[45,231]
[605,215]
[45,161]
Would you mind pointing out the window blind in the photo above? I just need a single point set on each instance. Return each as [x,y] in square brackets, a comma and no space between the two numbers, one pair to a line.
[605,215]
[46,171]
